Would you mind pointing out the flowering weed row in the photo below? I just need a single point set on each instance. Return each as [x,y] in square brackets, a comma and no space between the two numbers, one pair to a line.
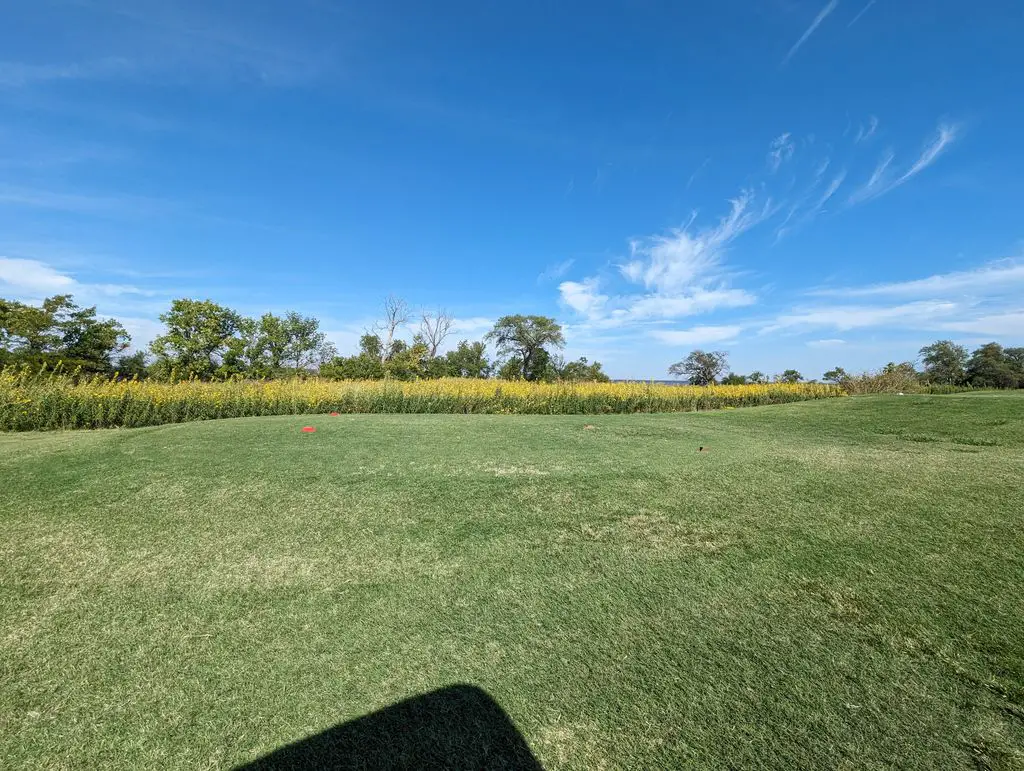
[32,401]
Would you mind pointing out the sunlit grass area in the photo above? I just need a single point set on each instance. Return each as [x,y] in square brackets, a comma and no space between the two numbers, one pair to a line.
[827,584]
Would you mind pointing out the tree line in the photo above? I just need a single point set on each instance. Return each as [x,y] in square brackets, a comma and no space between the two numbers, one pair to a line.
[206,340]
[943,363]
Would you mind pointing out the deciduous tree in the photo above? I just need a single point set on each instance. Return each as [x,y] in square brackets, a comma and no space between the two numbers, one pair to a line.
[526,339]
[199,333]
[944,362]
[701,367]
[434,329]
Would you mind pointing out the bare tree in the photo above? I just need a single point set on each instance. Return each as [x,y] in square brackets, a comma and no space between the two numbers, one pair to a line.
[396,314]
[434,328]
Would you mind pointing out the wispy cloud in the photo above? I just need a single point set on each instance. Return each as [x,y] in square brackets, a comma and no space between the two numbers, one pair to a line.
[697,172]
[672,262]
[860,316]
[780,151]
[20,74]
[127,205]
[1001,277]
[831,190]
[32,279]
[809,211]
[860,13]
[883,181]
[1009,324]
[584,297]
[865,133]
[822,15]
[681,272]
[831,342]
[697,335]
[555,271]
[171,41]
[472,326]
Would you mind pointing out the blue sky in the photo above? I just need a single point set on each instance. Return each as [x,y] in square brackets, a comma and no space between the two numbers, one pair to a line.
[800,183]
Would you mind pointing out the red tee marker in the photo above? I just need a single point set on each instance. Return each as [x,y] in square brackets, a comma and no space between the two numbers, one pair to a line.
[334,414]
[308,429]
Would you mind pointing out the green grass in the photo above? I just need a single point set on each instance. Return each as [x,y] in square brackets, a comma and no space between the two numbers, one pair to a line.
[831,584]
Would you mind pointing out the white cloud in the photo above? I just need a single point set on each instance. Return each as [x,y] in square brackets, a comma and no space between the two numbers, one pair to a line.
[584,297]
[882,181]
[945,136]
[681,271]
[860,13]
[698,301]
[864,134]
[33,277]
[555,271]
[876,184]
[999,324]
[998,277]
[473,326]
[844,318]
[697,335]
[780,151]
[141,330]
[822,15]
[831,342]
[83,203]
[671,263]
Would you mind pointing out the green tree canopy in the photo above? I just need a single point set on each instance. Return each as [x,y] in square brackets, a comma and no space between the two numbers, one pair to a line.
[467,360]
[292,342]
[836,375]
[199,335]
[526,340]
[701,367]
[991,367]
[59,331]
[944,362]
[582,370]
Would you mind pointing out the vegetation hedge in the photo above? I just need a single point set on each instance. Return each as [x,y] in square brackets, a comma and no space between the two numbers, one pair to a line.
[33,401]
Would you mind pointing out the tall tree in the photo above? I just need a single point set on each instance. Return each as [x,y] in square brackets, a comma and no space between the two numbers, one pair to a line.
[790,376]
[944,362]
[468,360]
[396,314]
[434,329]
[59,331]
[582,370]
[990,367]
[199,334]
[701,367]
[526,339]
[291,342]
[91,342]
[836,375]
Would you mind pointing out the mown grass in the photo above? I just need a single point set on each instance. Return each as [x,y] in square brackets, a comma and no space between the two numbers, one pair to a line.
[816,589]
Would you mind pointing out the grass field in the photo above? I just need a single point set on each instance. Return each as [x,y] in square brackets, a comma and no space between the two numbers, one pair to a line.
[830,584]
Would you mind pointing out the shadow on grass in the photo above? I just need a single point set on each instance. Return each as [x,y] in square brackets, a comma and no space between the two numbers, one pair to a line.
[460,727]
